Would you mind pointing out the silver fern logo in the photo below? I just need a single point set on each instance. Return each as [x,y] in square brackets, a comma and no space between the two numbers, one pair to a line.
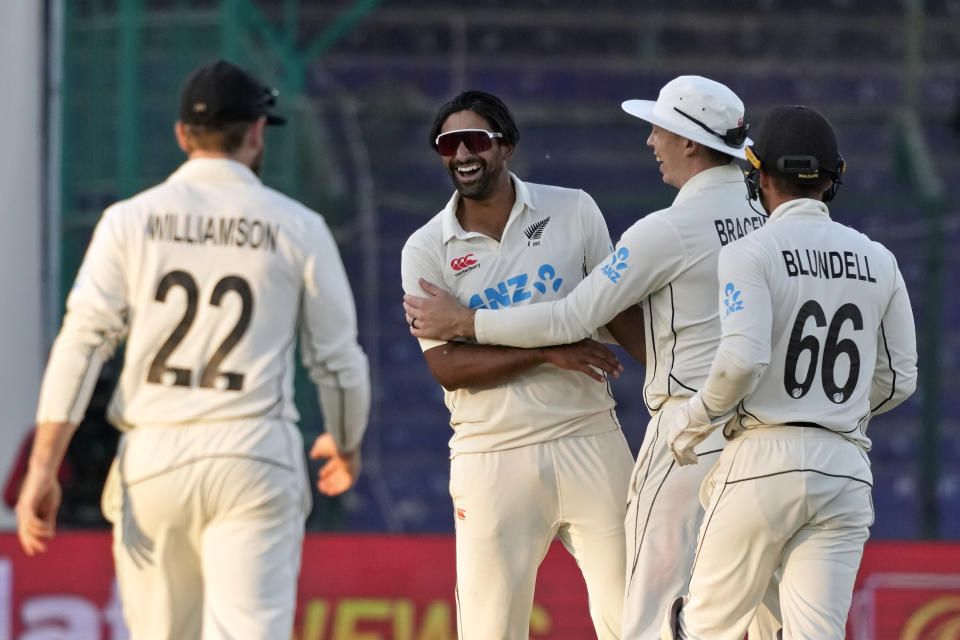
[534,231]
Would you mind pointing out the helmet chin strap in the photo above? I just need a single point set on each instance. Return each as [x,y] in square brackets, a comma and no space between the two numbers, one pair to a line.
[759,211]
[752,178]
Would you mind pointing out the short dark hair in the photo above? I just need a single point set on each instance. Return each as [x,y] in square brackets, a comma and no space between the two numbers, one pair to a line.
[716,156]
[484,104]
[225,138]
[788,184]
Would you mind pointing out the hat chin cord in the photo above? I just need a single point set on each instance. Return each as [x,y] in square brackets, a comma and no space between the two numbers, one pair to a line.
[734,137]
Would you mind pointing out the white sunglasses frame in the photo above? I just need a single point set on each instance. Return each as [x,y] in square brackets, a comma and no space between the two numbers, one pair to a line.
[490,134]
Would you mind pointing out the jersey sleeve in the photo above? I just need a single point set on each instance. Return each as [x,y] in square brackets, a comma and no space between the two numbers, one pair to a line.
[596,246]
[895,375]
[649,255]
[95,322]
[328,341]
[745,304]
[416,263]
[746,318]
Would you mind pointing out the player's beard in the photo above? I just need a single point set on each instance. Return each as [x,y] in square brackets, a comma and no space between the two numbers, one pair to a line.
[481,189]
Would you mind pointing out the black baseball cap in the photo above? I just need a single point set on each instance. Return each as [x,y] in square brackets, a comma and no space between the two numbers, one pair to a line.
[222,92]
[797,141]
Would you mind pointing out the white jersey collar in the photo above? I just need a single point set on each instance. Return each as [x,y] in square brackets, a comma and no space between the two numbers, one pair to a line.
[800,206]
[213,170]
[452,228]
[708,178]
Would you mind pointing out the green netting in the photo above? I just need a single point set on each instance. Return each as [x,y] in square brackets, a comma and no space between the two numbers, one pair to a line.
[124,62]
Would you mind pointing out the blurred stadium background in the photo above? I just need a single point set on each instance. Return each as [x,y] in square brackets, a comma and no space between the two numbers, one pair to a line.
[360,81]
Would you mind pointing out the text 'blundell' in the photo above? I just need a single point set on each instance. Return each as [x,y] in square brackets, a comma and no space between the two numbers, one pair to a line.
[827,264]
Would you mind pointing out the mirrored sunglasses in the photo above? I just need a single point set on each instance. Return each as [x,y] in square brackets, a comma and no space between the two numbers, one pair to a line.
[476,141]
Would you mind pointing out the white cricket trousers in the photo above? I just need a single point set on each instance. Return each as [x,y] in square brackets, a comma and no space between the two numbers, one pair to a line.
[663,517]
[508,505]
[794,498]
[210,548]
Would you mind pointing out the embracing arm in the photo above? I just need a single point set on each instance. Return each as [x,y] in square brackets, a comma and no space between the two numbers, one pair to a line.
[441,316]
[625,278]
[457,365]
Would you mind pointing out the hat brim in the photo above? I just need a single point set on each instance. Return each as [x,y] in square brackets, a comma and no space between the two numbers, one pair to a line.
[643,109]
[275,119]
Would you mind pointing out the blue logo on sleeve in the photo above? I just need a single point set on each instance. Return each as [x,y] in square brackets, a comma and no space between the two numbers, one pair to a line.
[618,262]
[732,302]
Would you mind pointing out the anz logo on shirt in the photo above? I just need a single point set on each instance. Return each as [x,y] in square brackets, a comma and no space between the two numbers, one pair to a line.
[618,262]
[514,290]
[732,301]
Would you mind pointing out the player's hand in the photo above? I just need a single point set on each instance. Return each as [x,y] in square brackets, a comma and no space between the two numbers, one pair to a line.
[341,470]
[687,426]
[37,509]
[587,356]
[682,436]
[439,316]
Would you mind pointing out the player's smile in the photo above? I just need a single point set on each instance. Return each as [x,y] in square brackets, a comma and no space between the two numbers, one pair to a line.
[468,171]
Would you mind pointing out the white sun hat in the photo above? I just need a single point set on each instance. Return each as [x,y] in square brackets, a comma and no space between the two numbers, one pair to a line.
[698,109]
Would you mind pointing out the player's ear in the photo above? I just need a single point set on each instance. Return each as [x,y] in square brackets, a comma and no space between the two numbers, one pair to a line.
[182,139]
[766,182]
[255,134]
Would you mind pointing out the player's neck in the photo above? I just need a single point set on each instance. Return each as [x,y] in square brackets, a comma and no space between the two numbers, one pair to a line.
[772,199]
[202,153]
[489,216]
[698,165]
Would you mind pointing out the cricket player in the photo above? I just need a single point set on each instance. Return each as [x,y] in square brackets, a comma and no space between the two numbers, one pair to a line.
[208,276]
[817,337]
[537,449]
[668,261]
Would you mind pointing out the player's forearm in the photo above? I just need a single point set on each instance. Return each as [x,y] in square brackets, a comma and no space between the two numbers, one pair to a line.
[730,381]
[346,411]
[457,365]
[894,377]
[86,340]
[533,325]
[50,444]
[343,382]
[627,330]
[895,373]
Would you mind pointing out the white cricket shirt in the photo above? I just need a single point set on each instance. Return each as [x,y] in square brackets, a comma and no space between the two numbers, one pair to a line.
[826,309]
[667,260]
[210,274]
[552,238]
